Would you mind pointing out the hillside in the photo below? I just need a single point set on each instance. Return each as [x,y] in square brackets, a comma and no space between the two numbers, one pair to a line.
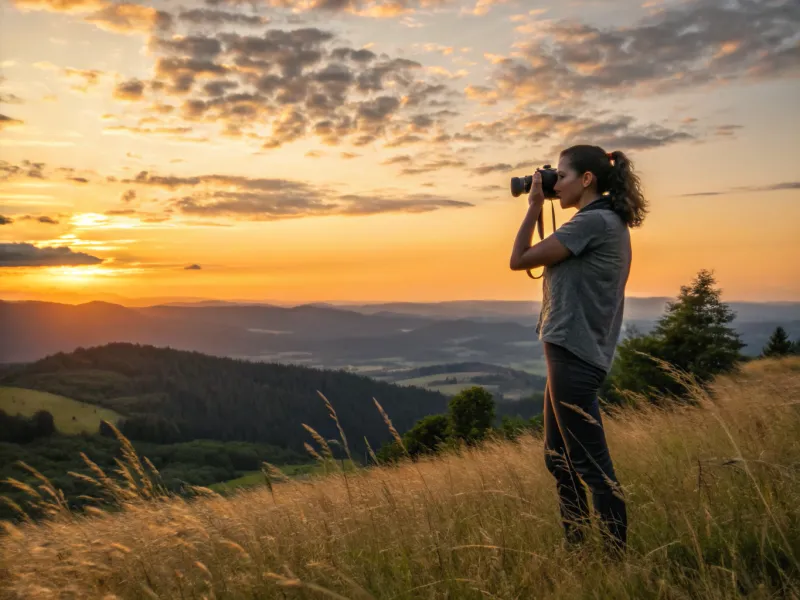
[70,416]
[168,395]
[713,501]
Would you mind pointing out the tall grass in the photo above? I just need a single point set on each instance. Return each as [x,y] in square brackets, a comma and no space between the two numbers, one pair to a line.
[712,490]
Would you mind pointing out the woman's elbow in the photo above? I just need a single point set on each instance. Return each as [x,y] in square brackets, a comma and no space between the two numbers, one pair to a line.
[516,264]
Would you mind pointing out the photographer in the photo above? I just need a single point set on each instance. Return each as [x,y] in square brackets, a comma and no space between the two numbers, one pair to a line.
[586,265]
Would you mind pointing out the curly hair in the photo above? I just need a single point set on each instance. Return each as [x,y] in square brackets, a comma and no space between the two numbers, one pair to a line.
[614,174]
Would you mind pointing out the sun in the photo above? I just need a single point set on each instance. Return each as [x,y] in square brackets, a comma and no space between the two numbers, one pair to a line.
[78,275]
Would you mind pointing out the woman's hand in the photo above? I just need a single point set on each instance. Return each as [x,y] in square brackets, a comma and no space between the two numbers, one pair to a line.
[537,194]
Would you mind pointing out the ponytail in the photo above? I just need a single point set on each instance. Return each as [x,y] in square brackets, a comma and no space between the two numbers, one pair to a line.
[615,175]
[625,188]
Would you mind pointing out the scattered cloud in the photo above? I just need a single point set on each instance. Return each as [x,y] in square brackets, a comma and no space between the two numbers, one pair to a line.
[21,254]
[774,187]
[208,16]
[7,122]
[6,220]
[684,46]
[10,98]
[241,197]
[528,124]
[299,83]
[194,267]
[40,219]
[88,78]
[131,90]
[60,5]
[130,18]
[482,7]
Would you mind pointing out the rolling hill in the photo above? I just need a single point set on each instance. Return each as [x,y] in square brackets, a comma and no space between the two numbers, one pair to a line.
[167,395]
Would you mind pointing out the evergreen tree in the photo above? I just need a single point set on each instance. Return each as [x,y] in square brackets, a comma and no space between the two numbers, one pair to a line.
[471,414]
[693,335]
[778,344]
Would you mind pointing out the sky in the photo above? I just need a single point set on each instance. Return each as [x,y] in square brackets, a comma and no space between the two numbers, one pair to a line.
[361,150]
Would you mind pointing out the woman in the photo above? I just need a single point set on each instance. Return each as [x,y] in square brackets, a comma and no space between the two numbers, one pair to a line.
[587,261]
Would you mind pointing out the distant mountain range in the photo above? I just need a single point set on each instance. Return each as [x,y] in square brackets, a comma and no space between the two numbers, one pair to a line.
[356,337]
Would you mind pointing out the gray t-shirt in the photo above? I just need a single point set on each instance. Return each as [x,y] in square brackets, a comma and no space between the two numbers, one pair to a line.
[584,295]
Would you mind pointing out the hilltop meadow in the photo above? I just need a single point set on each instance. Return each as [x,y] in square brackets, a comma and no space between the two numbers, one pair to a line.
[712,487]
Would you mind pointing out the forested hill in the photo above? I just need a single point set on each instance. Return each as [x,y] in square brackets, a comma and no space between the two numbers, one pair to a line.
[170,395]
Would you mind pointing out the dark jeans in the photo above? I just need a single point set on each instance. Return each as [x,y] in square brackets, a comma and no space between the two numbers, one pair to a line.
[576,449]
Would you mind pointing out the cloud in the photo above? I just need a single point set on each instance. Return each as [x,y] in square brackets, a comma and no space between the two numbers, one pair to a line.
[7,122]
[242,197]
[396,160]
[207,16]
[10,98]
[505,167]
[130,18]
[285,85]
[774,187]
[194,267]
[683,46]
[144,217]
[380,9]
[89,78]
[131,90]
[526,124]
[27,255]
[442,163]
[59,5]
[6,220]
[40,219]
[482,7]
[26,168]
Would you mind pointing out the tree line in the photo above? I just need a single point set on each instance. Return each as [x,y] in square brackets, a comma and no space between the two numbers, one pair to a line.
[170,396]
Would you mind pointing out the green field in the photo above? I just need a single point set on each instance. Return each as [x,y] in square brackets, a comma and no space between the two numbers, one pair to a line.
[428,379]
[254,478]
[71,416]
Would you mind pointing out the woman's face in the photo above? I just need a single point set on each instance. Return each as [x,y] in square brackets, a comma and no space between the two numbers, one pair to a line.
[570,184]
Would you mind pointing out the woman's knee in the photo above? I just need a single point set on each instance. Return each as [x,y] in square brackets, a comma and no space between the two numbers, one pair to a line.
[599,476]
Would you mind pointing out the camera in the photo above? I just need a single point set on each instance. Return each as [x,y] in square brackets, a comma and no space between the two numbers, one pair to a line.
[520,185]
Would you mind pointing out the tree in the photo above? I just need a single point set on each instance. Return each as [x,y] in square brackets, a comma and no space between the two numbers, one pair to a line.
[471,414]
[43,423]
[692,335]
[778,344]
[427,435]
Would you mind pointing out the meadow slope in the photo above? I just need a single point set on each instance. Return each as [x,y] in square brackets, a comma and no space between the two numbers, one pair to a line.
[713,496]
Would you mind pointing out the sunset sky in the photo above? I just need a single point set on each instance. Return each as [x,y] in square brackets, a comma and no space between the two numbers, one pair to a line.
[361,150]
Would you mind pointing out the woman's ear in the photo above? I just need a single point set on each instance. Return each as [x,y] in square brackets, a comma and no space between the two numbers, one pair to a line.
[587,179]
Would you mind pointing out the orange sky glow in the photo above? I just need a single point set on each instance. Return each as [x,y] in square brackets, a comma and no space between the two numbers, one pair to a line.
[362,150]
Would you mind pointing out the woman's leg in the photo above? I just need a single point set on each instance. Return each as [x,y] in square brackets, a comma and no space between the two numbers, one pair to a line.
[573,384]
[572,501]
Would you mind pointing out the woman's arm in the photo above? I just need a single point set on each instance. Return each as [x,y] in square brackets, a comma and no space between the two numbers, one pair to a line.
[547,252]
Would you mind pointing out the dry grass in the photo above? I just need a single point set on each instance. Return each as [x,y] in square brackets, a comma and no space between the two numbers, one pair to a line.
[713,498]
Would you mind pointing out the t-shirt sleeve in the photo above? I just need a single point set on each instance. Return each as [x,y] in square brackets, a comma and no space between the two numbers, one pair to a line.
[581,231]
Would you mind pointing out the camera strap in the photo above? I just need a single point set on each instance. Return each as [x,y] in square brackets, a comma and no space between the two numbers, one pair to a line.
[604,202]
[540,227]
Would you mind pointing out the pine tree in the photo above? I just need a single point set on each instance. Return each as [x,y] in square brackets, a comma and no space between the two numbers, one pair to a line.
[693,335]
[778,344]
